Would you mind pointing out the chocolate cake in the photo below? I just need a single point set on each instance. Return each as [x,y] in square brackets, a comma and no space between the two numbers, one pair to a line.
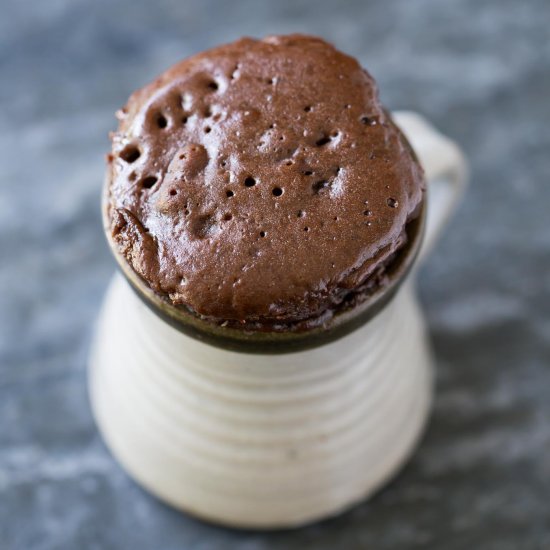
[261,184]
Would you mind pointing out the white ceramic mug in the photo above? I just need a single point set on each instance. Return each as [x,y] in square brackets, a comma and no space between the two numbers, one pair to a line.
[271,441]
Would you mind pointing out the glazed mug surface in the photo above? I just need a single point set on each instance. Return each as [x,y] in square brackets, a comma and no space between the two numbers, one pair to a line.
[265,441]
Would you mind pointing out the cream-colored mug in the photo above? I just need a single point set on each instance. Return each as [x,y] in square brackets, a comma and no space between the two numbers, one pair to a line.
[272,441]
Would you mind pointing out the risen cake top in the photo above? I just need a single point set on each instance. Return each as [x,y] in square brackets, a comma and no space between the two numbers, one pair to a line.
[261,183]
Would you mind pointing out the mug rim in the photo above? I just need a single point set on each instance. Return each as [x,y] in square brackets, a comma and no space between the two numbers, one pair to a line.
[276,342]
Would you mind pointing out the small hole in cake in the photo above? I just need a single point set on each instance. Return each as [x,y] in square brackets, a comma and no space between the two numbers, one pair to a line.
[207,112]
[367,213]
[148,182]
[184,119]
[289,163]
[367,121]
[162,122]
[300,214]
[306,228]
[392,203]
[323,141]
[130,154]
[368,224]
[229,193]
[227,217]
[271,126]
[307,108]
[335,218]
[308,173]
[318,185]
[132,176]
[262,233]
[281,138]
[337,171]
[347,106]
[249,182]
[277,191]
[213,85]
[271,81]
[207,129]
[173,192]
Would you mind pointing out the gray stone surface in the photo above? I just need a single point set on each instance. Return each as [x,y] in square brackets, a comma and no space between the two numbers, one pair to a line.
[479,70]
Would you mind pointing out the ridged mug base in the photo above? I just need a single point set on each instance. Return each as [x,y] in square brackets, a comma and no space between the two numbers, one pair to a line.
[259,441]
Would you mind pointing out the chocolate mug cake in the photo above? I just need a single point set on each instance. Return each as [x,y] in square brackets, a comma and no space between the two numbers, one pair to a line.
[261,186]
[259,198]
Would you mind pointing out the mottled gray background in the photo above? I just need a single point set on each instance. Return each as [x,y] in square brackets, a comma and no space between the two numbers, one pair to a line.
[479,70]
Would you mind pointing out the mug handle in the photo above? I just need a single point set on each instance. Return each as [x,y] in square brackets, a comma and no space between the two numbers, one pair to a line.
[446,172]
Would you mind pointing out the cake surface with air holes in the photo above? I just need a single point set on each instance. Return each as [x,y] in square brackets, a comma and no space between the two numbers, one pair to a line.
[261,184]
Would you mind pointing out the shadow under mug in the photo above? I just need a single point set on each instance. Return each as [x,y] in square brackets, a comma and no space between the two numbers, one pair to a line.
[273,431]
